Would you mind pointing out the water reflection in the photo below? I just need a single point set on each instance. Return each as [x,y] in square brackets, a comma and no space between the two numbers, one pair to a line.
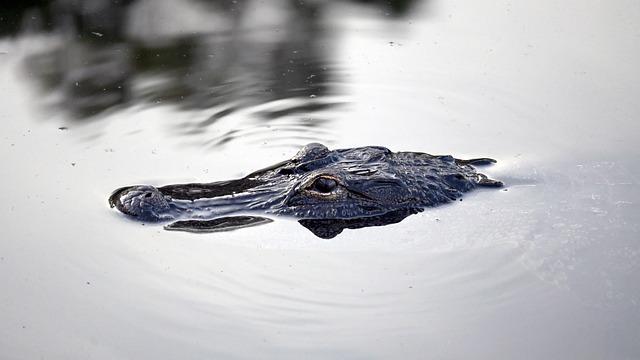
[270,61]
[322,228]
[330,228]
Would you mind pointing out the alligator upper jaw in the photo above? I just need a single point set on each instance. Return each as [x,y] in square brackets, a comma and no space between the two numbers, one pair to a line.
[197,201]
[197,191]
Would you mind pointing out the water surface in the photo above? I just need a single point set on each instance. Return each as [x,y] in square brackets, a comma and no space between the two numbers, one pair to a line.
[198,91]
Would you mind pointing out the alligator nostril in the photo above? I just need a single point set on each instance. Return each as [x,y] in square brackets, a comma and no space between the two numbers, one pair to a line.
[148,195]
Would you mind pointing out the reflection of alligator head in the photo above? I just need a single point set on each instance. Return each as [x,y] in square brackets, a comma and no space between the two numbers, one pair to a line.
[330,190]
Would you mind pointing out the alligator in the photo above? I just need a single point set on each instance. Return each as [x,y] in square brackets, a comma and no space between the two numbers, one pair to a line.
[327,190]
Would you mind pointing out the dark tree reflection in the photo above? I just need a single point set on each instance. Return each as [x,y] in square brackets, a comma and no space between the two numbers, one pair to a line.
[115,53]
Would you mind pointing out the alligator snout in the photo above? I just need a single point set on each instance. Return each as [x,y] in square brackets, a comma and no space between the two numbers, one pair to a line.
[140,201]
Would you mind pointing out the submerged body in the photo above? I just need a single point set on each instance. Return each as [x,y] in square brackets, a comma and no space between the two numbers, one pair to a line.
[328,189]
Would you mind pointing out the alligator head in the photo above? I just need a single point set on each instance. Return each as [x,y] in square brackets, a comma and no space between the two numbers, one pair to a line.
[329,190]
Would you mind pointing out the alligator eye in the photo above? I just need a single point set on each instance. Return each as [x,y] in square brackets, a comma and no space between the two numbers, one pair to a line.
[324,185]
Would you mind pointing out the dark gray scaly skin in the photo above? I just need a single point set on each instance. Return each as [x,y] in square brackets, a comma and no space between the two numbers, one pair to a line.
[329,190]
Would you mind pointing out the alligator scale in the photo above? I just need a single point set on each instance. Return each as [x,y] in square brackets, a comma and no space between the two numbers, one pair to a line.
[327,190]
